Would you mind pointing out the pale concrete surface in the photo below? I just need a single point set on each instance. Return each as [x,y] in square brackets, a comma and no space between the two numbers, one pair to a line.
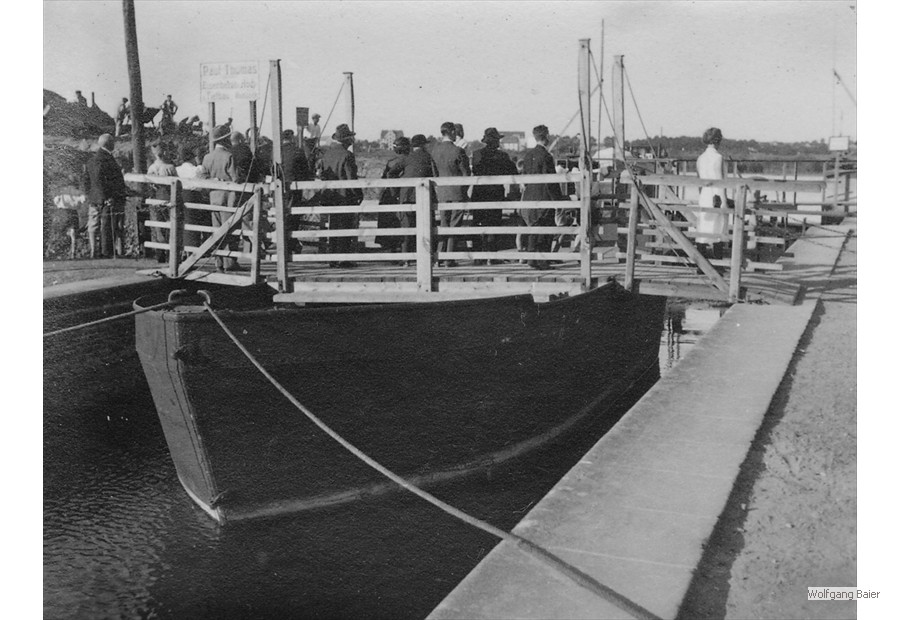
[636,511]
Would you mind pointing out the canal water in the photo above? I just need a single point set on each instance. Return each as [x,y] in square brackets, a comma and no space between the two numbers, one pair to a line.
[122,539]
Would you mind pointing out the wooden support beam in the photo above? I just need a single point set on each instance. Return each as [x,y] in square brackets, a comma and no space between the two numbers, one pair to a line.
[425,246]
[737,245]
[256,253]
[176,228]
[211,117]
[584,93]
[281,231]
[631,247]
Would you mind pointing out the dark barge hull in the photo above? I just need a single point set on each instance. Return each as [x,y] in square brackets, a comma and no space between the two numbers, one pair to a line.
[433,391]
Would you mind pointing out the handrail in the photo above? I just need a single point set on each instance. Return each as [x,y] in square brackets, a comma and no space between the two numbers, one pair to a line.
[731,183]
[188,183]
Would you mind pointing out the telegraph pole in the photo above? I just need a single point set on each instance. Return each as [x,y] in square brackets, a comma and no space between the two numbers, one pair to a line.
[139,156]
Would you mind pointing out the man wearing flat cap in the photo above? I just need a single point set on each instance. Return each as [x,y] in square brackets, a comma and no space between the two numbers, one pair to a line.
[339,164]
[450,161]
[539,161]
[219,164]
[489,160]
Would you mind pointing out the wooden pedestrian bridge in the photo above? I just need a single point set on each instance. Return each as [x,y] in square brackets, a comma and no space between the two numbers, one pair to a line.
[640,234]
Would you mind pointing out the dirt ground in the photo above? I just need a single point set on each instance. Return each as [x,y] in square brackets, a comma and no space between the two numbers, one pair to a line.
[791,521]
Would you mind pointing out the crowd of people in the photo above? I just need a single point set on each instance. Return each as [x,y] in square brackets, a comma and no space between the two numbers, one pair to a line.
[305,158]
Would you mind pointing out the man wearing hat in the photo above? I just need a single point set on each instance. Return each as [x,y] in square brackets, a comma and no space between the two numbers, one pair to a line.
[106,192]
[314,130]
[450,161]
[489,160]
[539,161]
[219,164]
[339,164]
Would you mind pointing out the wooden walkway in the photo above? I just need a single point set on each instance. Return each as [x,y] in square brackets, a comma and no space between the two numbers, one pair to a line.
[382,282]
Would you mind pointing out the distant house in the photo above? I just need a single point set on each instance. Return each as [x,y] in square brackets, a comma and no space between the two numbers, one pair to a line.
[512,141]
[388,137]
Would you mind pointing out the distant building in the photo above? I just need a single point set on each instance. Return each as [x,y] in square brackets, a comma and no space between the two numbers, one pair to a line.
[388,137]
[513,141]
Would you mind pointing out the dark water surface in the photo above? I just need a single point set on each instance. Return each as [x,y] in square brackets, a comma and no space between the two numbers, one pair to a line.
[123,540]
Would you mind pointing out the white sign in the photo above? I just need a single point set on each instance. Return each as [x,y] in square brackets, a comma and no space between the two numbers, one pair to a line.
[839,143]
[229,81]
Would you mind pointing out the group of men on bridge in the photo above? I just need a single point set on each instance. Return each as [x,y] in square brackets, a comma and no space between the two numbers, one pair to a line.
[231,160]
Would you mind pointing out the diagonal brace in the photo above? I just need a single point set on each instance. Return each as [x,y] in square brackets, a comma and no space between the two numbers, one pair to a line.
[233,222]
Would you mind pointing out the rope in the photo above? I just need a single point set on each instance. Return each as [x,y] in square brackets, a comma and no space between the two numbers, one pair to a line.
[109,318]
[333,105]
[636,109]
[573,573]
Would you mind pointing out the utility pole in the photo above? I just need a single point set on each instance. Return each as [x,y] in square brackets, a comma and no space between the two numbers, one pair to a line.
[134,79]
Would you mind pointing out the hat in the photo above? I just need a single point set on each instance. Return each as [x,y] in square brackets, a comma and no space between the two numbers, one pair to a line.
[401,142]
[418,140]
[342,133]
[448,127]
[491,133]
[287,134]
[316,115]
[541,131]
[221,133]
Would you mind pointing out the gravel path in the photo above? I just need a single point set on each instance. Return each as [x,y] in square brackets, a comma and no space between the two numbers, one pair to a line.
[791,519]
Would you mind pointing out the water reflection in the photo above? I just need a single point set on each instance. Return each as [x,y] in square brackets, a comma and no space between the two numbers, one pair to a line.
[686,322]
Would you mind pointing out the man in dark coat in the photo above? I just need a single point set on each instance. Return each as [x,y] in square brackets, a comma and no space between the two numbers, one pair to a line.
[418,164]
[539,161]
[450,161]
[489,160]
[106,192]
[391,195]
[339,164]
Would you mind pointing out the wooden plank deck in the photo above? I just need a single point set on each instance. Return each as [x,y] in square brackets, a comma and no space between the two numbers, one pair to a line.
[381,282]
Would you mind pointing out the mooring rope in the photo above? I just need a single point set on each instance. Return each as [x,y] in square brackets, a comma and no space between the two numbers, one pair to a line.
[109,318]
[582,579]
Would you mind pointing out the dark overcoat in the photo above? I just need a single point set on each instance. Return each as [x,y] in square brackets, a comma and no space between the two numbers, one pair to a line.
[451,161]
[103,180]
[539,161]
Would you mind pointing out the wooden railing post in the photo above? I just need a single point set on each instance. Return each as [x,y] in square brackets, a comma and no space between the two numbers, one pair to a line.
[176,228]
[737,244]
[587,250]
[631,248]
[425,245]
[257,235]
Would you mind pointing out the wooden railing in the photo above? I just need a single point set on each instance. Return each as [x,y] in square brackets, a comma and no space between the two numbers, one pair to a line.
[681,234]
[672,241]
[268,199]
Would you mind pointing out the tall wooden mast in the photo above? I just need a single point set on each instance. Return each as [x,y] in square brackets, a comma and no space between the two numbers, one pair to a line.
[351,102]
[134,79]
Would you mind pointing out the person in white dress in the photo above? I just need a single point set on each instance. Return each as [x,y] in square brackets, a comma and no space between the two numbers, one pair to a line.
[711,166]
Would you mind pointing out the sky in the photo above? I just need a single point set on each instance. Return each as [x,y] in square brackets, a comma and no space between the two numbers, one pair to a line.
[757,69]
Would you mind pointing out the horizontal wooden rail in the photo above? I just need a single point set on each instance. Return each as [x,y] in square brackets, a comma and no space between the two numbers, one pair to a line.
[189,183]
[731,183]
[506,179]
